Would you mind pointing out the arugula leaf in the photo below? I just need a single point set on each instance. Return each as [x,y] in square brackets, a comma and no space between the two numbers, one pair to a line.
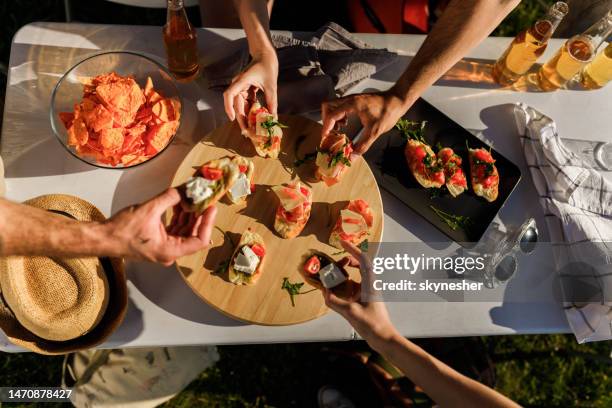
[489,167]
[452,220]
[293,289]
[339,158]
[307,157]
[411,129]
[268,124]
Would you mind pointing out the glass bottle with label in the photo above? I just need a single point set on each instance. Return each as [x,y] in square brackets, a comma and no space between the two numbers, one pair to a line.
[574,55]
[527,47]
[180,41]
[599,72]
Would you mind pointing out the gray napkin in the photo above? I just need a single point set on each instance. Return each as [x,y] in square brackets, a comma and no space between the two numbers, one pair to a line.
[322,66]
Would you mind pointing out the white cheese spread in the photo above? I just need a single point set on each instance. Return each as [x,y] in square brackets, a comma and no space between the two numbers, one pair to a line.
[246,261]
[241,187]
[199,189]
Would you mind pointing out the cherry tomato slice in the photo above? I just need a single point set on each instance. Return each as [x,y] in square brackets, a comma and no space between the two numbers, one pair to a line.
[259,250]
[243,168]
[211,173]
[312,265]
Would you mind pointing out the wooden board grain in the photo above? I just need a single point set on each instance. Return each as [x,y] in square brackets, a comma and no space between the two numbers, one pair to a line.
[265,302]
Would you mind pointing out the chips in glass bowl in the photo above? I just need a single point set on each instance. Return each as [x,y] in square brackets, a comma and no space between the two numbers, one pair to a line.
[116,109]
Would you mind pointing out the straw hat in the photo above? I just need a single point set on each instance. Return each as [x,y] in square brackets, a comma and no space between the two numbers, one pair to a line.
[54,305]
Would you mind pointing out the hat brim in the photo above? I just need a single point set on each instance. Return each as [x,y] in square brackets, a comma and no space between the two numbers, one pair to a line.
[81,210]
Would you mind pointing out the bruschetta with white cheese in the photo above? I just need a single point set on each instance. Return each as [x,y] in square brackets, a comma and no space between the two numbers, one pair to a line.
[208,185]
[243,186]
[333,157]
[264,130]
[322,272]
[246,264]
[293,212]
[353,224]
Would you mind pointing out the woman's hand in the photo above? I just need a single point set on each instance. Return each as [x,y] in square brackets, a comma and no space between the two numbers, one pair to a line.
[378,113]
[137,232]
[370,319]
[260,75]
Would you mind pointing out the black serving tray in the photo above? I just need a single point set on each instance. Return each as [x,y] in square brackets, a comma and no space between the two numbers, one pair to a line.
[386,158]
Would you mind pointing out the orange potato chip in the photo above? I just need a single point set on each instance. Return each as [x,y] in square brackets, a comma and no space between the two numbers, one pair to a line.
[66,118]
[159,136]
[111,139]
[77,133]
[96,116]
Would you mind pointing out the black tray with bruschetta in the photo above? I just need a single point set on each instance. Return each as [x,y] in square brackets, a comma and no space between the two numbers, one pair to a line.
[443,172]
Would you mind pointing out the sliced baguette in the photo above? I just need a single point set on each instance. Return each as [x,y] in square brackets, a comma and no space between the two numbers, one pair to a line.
[241,161]
[345,290]
[490,193]
[240,278]
[423,179]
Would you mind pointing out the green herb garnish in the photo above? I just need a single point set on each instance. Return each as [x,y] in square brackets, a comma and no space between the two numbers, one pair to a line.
[268,124]
[489,167]
[411,129]
[452,220]
[307,157]
[339,158]
[294,289]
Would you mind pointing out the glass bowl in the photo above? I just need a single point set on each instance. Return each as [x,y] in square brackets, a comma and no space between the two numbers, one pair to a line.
[69,91]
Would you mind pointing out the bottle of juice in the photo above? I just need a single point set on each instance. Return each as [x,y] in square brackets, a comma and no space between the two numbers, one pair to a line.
[599,72]
[527,46]
[574,55]
[180,41]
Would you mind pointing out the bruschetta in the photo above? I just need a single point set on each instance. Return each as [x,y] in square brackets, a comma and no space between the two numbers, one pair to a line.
[484,174]
[450,162]
[423,164]
[264,130]
[246,264]
[293,212]
[322,272]
[243,186]
[333,157]
[211,182]
[353,224]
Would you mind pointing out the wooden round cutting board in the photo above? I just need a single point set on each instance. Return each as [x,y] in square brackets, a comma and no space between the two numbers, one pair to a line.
[265,302]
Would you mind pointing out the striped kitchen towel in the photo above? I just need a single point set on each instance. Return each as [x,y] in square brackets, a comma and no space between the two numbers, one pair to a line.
[577,203]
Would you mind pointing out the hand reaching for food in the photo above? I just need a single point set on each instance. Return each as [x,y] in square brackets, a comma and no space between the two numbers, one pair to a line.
[370,319]
[378,113]
[260,75]
[137,232]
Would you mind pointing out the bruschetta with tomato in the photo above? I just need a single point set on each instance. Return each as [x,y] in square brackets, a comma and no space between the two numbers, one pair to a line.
[243,186]
[353,224]
[293,212]
[246,263]
[333,157]
[484,174]
[455,180]
[423,164]
[209,184]
[264,130]
[322,272]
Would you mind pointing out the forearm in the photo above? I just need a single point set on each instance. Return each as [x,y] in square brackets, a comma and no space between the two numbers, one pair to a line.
[26,230]
[444,385]
[463,25]
[255,18]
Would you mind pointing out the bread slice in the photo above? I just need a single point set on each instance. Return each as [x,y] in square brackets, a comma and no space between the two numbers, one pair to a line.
[345,290]
[425,179]
[288,229]
[250,171]
[489,193]
[332,145]
[230,174]
[260,136]
[453,172]
[361,210]
[240,278]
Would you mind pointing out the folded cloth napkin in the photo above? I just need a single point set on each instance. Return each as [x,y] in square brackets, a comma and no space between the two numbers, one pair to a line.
[577,203]
[321,66]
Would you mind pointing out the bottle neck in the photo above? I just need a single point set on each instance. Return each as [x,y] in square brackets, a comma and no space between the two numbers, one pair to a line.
[176,18]
[599,31]
[175,5]
[545,27]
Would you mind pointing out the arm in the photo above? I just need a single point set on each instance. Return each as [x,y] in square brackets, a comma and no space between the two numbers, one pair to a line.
[462,26]
[136,232]
[262,72]
[444,385]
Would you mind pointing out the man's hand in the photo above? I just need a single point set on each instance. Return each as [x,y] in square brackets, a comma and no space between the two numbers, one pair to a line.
[261,74]
[137,232]
[370,319]
[378,113]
